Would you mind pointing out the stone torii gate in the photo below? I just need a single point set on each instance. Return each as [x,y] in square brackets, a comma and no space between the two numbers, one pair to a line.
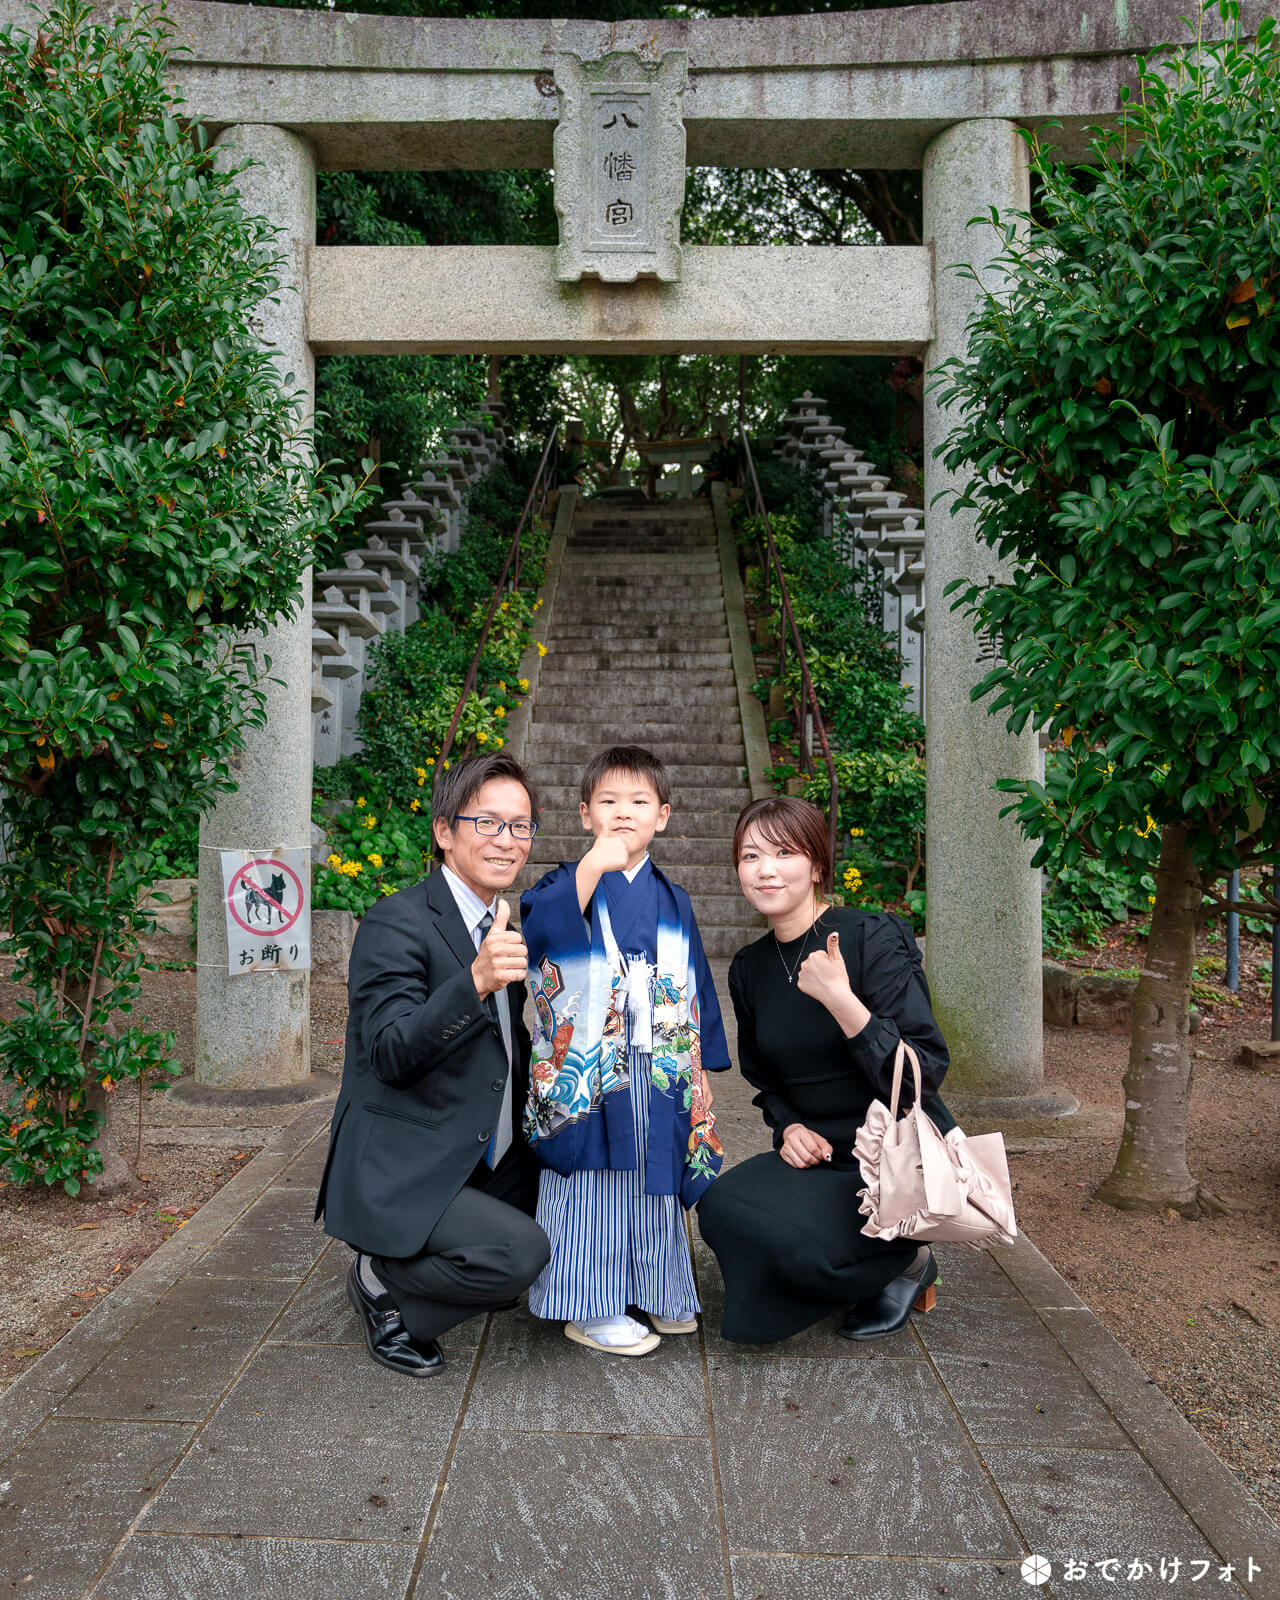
[944,88]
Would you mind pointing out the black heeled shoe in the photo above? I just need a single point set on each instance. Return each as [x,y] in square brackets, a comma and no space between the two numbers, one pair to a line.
[889,1311]
[390,1342]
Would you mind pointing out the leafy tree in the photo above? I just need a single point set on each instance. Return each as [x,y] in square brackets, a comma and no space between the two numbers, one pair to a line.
[1121,404]
[157,502]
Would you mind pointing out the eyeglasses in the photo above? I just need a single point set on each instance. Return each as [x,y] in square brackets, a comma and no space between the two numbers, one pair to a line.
[491,827]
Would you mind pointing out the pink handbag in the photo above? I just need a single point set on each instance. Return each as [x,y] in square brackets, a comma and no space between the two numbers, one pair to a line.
[922,1184]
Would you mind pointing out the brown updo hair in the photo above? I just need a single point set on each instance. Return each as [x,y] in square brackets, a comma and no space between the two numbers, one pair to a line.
[787,820]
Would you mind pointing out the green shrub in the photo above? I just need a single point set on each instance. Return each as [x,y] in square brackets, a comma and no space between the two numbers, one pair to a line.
[377,844]
[156,503]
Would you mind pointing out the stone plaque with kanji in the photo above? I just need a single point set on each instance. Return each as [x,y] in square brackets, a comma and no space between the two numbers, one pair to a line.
[619,166]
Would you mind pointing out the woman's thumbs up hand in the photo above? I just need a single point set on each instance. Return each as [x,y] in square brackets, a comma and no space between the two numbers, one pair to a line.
[823,974]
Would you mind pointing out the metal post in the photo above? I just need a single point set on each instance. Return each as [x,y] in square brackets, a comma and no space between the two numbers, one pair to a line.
[1233,935]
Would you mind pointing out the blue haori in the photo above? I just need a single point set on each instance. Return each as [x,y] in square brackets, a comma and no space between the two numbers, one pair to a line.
[600,1014]
[613,1245]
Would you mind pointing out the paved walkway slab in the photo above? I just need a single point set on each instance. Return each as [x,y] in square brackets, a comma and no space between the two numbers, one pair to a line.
[215,1430]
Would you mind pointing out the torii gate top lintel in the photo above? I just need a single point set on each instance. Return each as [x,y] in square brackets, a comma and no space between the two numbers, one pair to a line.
[868,88]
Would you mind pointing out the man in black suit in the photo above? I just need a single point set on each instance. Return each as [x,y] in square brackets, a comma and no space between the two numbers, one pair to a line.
[428,1178]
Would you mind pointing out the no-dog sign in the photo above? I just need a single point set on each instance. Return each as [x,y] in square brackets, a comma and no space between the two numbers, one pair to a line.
[267,909]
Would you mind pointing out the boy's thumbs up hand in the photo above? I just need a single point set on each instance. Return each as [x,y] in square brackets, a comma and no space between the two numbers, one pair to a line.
[502,957]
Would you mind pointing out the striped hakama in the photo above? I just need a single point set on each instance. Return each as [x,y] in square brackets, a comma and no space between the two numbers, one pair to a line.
[613,1245]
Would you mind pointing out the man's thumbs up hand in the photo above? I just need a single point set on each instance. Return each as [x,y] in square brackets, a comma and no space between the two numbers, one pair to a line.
[502,957]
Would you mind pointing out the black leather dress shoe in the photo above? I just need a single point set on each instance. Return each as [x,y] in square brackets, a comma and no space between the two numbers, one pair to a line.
[889,1311]
[390,1342]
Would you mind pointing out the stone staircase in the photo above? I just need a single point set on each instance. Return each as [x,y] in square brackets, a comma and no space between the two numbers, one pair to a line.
[638,653]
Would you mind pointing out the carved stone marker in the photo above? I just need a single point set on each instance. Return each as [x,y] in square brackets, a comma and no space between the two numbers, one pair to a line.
[619,163]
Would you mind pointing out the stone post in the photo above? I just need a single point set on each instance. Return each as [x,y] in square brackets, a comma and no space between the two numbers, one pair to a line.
[983,944]
[253,1031]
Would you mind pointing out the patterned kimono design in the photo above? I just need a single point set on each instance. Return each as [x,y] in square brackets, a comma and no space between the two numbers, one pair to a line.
[578,1114]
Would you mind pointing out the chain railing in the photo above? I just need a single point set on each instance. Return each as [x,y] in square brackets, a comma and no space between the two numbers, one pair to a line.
[543,482]
[808,713]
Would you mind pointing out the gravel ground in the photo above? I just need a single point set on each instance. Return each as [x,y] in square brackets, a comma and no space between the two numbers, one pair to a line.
[1197,1303]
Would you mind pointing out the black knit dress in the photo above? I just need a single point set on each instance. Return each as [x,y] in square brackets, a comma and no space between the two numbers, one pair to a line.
[789,1240]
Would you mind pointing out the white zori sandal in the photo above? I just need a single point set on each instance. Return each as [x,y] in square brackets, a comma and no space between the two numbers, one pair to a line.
[614,1336]
[662,1325]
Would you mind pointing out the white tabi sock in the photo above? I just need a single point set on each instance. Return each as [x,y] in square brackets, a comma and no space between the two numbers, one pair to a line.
[614,1330]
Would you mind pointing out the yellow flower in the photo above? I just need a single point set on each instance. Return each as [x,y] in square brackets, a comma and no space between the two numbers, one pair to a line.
[542,649]
[482,737]
[1151,899]
[502,688]
[371,821]
[855,833]
[852,879]
[431,761]
[335,860]
[446,766]
[497,744]
[523,685]
[415,805]
[375,860]
[422,772]
[421,781]
[504,606]
[537,603]
[499,711]
[360,802]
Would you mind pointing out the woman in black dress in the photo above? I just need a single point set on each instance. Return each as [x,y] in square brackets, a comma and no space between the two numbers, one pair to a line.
[821,1001]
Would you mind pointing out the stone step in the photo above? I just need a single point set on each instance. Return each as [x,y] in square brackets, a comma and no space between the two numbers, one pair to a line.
[670,742]
[670,514]
[721,943]
[645,602]
[686,779]
[576,628]
[673,658]
[564,700]
[649,544]
[639,563]
[712,727]
[610,621]
[667,670]
[618,711]
[617,586]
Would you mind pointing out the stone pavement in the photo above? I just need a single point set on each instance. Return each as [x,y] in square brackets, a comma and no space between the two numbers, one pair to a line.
[214,1430]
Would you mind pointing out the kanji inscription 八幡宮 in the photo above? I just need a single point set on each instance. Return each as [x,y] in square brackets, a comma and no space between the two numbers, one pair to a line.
[619,164]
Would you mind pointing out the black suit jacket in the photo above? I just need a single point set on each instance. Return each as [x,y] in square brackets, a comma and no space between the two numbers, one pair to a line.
[423,1075]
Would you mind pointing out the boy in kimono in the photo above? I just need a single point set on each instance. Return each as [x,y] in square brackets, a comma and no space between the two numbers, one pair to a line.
[626,1025]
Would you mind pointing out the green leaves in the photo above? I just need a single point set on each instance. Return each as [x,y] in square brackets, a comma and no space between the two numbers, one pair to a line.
[156,502]
[1125,442]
